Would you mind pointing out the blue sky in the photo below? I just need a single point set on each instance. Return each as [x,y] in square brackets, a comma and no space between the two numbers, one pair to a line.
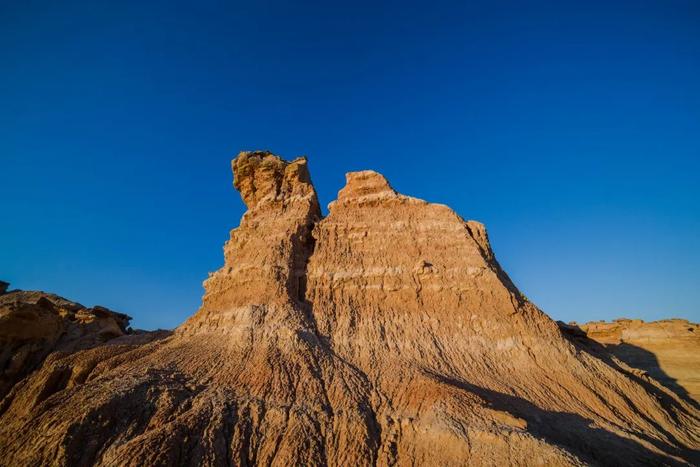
[571,129]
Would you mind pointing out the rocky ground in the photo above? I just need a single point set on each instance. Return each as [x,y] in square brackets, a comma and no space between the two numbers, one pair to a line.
[385,333]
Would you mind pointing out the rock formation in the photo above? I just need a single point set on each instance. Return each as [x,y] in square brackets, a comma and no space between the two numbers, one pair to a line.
[385,333]
[667,350]
[34,324]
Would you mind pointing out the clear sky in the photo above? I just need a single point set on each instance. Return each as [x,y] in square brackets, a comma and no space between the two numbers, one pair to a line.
[571,129]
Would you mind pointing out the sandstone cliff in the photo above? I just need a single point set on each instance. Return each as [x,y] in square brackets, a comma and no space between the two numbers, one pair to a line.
[385,333]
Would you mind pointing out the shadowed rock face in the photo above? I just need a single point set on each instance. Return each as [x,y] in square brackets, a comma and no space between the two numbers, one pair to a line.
[383,334]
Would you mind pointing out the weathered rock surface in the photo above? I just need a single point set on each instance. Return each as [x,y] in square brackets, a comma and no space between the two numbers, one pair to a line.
[383,334]
[667,350]
[34,324]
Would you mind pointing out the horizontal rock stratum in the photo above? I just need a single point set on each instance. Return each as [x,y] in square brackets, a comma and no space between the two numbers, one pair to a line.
[385,333]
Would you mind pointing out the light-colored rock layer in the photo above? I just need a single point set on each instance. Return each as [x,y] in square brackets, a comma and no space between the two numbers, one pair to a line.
[383,334]
[667,350]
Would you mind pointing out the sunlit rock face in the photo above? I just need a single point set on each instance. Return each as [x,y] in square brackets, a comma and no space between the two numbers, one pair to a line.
[385,333]
[265,259]
[34,324]
[667,350]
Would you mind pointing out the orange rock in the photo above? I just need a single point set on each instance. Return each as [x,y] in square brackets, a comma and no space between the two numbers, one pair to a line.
[667,350]
[385,333]
[34,324]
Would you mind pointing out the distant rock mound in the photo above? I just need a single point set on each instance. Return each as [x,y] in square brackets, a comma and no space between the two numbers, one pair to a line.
[667,350]
[385,333]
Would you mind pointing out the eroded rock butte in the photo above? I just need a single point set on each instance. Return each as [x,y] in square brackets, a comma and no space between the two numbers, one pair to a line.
[667,350]
[385,333]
